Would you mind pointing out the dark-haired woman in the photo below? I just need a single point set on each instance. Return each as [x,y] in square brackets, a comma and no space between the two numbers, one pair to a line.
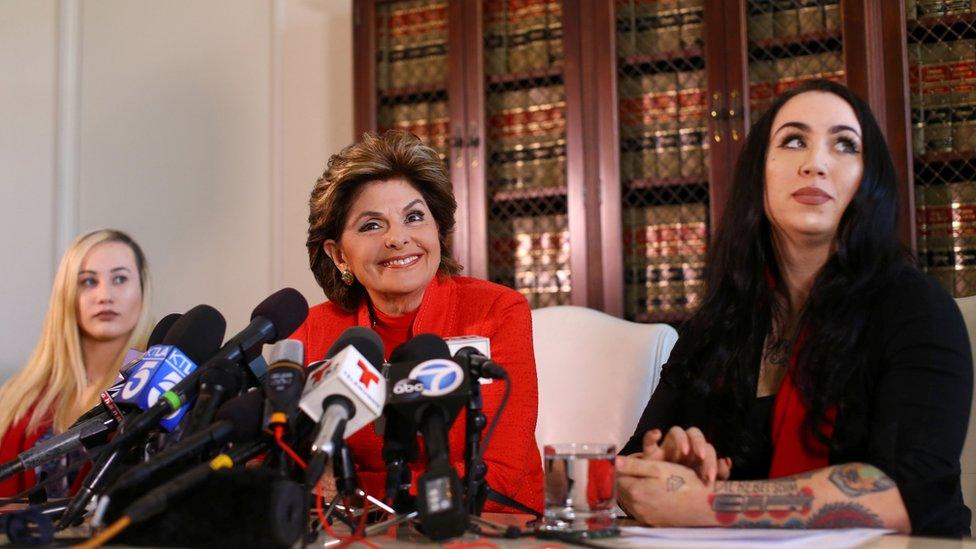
[380,218]
[824,382]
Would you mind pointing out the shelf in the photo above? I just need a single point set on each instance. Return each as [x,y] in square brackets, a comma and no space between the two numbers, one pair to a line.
[520,78]
[658,57]
[942,28]
[945,157]
[665,182]
[528,194]
[794,46]
[932,21]
[413,94]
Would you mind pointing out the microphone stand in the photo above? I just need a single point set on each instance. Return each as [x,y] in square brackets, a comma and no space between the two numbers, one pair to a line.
[475,469]
[346,486]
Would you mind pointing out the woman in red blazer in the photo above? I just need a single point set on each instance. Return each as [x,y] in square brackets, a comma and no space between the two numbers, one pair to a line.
[380,219]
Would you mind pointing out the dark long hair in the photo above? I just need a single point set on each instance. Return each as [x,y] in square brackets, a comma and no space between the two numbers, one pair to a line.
[718,354]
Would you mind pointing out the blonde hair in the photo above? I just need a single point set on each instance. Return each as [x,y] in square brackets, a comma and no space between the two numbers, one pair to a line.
[54,379]
[394,154]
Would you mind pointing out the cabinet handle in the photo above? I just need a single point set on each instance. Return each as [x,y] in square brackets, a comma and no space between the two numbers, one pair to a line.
[474,141]
[717,136]
[457,142]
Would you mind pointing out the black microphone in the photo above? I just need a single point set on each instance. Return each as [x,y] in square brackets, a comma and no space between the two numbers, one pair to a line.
[479,365]
[197,334]
[276,317]
[429,390]
[238,420]
[221,380]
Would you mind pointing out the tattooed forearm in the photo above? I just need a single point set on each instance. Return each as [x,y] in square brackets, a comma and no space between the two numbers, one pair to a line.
[855,479]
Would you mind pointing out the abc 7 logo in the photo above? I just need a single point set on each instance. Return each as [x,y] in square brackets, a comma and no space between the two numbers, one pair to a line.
[432,378]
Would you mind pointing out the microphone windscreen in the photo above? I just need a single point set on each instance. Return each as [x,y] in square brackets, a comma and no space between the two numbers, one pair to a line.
[246,413]
[419,348]
[225,373]
[287,350]
[162,328]
[198,333]
[365,340]
[286,309]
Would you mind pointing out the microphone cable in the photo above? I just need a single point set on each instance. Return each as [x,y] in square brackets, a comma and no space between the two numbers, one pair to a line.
[494,421]
[279,433]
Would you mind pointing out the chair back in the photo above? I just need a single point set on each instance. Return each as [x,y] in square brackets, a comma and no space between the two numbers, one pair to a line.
[596,373]
[968,460]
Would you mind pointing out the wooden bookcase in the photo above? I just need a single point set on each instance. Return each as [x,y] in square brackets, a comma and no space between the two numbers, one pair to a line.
[591,142]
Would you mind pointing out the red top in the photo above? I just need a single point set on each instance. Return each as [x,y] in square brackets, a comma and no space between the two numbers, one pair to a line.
[15,441]
[456,306]
[791,453]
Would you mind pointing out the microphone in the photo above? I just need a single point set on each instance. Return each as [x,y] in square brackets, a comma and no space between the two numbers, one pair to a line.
[344,394]
[132,358]
[283,383]
[480,365]
[429,389]
[161,368]
[197,334]
[425,382]
[238,420]
[223,379]
[81,435]
[277,316]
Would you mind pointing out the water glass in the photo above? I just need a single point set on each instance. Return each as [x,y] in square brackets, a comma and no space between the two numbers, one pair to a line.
[580,488]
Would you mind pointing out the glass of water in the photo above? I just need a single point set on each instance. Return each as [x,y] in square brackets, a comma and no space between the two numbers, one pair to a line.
[581,488]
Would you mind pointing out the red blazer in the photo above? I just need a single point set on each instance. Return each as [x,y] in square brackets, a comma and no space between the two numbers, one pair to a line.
[15,441]
[455,306]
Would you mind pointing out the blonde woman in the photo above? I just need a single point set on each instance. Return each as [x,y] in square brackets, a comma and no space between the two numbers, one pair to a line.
[99,308]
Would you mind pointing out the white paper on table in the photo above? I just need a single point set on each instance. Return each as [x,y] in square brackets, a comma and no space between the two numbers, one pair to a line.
[640,536]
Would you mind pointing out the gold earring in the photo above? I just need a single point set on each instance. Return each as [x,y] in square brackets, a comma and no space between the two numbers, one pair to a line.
[347,277]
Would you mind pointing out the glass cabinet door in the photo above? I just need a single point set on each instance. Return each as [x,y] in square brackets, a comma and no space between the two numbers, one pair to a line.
[664,156]
[789,42]
[525,117]
[942,84]
[411,70]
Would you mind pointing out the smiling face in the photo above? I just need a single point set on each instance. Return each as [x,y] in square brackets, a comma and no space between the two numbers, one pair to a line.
[814,165]
[109,292]
[390,244]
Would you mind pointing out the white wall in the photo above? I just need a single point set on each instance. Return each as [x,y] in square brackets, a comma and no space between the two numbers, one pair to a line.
[199,126]
[28,92]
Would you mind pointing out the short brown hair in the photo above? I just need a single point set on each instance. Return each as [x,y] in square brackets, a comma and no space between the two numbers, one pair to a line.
[394,154]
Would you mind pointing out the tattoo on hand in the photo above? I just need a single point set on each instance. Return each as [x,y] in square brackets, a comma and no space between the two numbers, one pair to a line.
[674,483]
[855,479]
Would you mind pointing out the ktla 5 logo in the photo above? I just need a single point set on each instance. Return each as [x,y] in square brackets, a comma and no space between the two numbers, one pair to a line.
[438,376]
